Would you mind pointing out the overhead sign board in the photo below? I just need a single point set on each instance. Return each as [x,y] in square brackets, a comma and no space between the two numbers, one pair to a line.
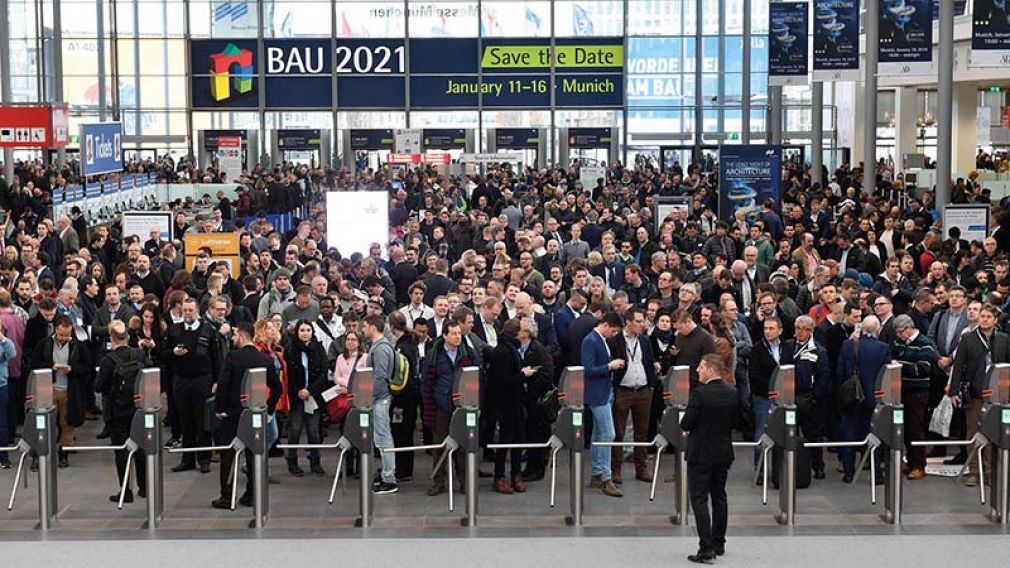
[34,126]
[101,148]
[372,73]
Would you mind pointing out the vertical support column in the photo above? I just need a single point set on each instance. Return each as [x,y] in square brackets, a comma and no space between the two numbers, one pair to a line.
[261,56]
[745,79]
[699,107]
[624,96]
[555,151]
[817,145]
[191,141]
[480,82]
[137,116]
[774,118]
[906,110]
[406,60]
[5,79]
[945,86]
[57,48]
[870,24]
[964,131]
[103,104]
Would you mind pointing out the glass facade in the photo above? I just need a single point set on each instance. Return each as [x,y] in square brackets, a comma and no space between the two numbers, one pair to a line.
[684,84]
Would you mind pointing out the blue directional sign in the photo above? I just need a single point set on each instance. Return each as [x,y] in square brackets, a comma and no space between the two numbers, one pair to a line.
[101,148]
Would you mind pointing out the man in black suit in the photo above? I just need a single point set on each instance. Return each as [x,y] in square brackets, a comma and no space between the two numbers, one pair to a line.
[440,284]
[228,405]
[580,328]
[713,412]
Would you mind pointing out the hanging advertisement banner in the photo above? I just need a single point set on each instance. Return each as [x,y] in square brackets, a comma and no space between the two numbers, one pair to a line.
[990,34]
[747,176]
[787,43]
[836,40]
[906,37]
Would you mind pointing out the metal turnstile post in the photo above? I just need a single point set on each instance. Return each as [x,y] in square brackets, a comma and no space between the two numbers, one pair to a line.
[38,439]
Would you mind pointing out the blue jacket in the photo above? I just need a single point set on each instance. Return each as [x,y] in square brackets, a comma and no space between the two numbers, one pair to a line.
[563,319]
[595,359]
[813,373]
[873,355]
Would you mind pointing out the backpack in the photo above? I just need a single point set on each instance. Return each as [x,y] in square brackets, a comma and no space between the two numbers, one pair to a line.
[124,381]
[401,372]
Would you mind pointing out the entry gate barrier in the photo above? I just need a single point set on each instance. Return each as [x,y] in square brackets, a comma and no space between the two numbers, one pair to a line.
[781,436]
[676,387]
[145,437]
[567,431]
[357,434]
[994,434]
[38,440]
[251,437]
[463,435]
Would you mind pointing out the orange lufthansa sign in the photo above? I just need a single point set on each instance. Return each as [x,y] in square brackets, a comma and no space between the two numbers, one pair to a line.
[222,246]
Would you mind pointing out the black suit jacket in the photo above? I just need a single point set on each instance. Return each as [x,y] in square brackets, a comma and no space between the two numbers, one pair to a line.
[229,384]
[438,285]
[478,327]
[578,331]
[713,411]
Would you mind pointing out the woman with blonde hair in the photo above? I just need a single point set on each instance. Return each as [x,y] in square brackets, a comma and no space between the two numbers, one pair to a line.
[267,339]
[598,292]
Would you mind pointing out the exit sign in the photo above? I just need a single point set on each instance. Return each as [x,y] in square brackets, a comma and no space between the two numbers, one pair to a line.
[995,89]
[733,136]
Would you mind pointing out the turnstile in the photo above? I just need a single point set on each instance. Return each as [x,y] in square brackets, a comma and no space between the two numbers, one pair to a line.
[145,437]
[781,437]
[994,432]
[463,436]
[569,432]
[39,440]
[676,390]
[566,432]
[887,431]
[250,437]
[356,434]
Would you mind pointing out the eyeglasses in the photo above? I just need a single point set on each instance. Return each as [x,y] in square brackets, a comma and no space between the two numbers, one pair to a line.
[878,304]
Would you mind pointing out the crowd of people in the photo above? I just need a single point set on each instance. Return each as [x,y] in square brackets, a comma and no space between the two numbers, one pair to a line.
[520,272]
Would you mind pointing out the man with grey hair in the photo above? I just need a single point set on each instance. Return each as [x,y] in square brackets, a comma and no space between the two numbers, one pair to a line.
[863,356]
[918,360]
[67,235]
[543,331]
[809,292]
[813,388]
[742,283]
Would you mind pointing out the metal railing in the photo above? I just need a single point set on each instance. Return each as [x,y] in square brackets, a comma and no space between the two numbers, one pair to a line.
[127,445]
[344,446]
[978,441]
[235,446]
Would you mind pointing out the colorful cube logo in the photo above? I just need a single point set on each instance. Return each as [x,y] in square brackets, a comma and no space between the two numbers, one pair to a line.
[232,68]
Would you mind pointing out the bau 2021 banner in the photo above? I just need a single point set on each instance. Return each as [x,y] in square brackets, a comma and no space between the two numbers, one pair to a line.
[836,40]
[374,73]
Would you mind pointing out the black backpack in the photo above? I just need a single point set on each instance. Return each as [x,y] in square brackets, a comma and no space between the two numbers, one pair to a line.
[124,379]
